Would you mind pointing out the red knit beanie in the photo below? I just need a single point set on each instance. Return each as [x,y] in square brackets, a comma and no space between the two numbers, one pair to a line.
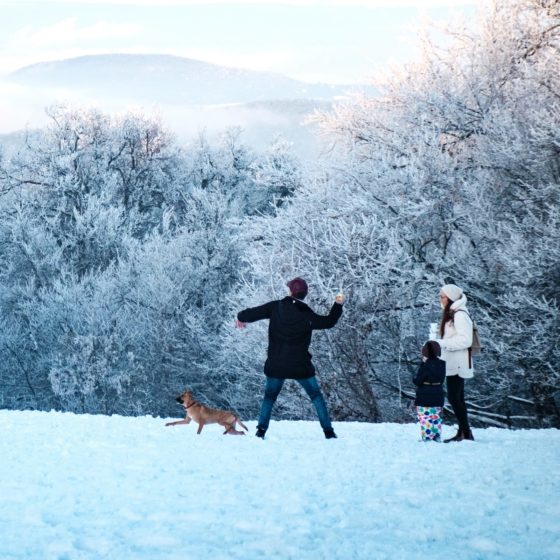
[298,287]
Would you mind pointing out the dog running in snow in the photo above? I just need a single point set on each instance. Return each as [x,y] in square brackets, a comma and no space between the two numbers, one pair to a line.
[203,415]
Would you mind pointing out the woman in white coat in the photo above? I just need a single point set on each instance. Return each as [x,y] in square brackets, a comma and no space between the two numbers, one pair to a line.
[455,339]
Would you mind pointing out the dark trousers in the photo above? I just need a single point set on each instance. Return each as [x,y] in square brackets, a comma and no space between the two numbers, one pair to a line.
[272,390]
[456,398]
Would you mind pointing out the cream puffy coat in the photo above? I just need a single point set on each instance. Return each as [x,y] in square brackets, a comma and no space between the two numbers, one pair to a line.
[457,339]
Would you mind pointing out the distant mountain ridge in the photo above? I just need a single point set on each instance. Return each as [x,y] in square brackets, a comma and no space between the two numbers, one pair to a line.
[190,96]
[168,79]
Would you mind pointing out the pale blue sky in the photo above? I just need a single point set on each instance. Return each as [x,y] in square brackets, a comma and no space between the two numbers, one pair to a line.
[338,41]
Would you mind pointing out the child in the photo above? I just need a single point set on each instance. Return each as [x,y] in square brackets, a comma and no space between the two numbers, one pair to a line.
[429,391]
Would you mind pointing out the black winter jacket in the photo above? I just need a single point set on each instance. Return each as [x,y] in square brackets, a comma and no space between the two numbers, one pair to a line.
[289,335]
[430,371]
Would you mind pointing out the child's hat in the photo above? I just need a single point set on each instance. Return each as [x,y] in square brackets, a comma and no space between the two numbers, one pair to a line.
[431,349]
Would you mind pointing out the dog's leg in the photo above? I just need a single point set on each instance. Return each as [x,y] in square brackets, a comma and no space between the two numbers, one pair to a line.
[241,423]
[233,432]
[200,426]
[186,421]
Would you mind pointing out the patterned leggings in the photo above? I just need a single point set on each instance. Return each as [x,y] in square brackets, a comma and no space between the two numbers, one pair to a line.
[429,418]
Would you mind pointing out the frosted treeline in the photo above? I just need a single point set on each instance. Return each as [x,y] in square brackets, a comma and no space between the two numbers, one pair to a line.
[125,256]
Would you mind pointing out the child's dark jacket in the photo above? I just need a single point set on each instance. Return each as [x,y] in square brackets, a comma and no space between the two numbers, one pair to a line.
[429,383]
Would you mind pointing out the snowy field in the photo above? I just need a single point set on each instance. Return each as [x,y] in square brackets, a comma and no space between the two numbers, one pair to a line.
[94,487]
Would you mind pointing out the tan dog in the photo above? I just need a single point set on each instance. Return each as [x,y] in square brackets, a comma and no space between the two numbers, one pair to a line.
[203,415]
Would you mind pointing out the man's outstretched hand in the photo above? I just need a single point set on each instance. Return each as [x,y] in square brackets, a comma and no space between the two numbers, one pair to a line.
[340,298]
[239,324]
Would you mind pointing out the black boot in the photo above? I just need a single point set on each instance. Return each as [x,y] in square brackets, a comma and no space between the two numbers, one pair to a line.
[468,435]
[457,437]
[329,433]
[260,432]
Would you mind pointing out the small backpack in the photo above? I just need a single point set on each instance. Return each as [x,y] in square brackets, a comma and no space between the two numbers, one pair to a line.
[476,345]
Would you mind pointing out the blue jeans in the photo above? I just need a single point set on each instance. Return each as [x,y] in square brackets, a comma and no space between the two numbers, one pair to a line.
[272,390]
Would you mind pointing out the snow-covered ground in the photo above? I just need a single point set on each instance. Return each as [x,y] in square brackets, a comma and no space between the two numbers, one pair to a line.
[96,487]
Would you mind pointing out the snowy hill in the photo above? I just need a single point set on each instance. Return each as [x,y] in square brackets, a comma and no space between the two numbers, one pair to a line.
[83,487]
[189,94]
[168,79]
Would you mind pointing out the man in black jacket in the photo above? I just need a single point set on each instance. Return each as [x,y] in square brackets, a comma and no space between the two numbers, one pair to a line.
[289,337]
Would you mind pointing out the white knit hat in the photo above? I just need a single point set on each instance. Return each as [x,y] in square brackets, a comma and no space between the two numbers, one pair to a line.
[452,292]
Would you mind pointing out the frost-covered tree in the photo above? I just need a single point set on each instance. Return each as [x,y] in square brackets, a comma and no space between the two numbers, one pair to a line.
[451,173]
[77,191]
[118,252]
[124,257]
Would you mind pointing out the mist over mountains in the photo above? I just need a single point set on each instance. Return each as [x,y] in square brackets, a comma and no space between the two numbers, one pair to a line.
[190,95]
[168,79]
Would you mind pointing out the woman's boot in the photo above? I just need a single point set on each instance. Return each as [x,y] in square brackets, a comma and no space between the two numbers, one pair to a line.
[468,435]
[457,437]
